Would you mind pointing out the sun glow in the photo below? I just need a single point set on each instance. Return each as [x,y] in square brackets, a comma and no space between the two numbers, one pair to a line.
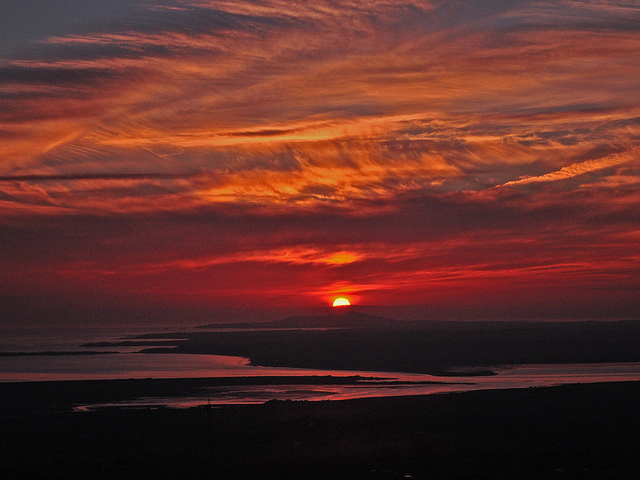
[341,302]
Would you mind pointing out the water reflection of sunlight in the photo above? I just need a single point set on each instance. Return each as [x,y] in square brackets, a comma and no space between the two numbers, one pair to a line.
[517,376]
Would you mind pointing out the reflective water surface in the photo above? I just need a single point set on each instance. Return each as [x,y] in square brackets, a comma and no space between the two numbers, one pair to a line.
[516,376]
[128,364]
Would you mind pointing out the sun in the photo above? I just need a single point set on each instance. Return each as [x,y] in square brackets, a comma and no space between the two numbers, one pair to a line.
[341,302]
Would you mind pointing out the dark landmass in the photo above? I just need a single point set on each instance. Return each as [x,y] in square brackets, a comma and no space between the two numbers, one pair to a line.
[435,348]
[465,372]
[570,432]
[54,353]
[348,319]
[133,343]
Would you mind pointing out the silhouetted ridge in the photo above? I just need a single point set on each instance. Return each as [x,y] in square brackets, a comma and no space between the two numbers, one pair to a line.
[349,319]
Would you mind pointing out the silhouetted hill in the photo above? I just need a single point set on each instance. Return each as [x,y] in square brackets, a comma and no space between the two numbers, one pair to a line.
[348,319]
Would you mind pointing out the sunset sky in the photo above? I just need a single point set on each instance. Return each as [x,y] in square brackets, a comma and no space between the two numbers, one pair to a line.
[468,159]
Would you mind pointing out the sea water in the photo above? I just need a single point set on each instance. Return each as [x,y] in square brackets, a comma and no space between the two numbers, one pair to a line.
[118,362]
[127,363]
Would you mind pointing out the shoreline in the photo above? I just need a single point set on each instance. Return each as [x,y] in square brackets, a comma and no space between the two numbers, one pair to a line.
[186,392]
[63,394]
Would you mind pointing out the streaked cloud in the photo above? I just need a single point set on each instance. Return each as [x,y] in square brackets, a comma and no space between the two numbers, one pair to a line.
[362,141]
[581,168]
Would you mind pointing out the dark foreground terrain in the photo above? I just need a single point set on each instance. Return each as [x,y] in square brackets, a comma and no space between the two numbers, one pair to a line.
[582,431]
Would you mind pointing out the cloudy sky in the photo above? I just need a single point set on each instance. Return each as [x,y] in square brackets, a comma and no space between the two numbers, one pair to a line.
[474,158]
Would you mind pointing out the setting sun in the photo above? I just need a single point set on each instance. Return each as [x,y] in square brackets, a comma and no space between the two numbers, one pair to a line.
[341,302]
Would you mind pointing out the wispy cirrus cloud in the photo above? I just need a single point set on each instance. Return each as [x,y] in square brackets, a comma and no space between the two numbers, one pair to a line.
[296,133]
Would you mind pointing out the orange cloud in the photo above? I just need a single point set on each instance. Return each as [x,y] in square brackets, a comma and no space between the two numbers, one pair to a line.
[325,147]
